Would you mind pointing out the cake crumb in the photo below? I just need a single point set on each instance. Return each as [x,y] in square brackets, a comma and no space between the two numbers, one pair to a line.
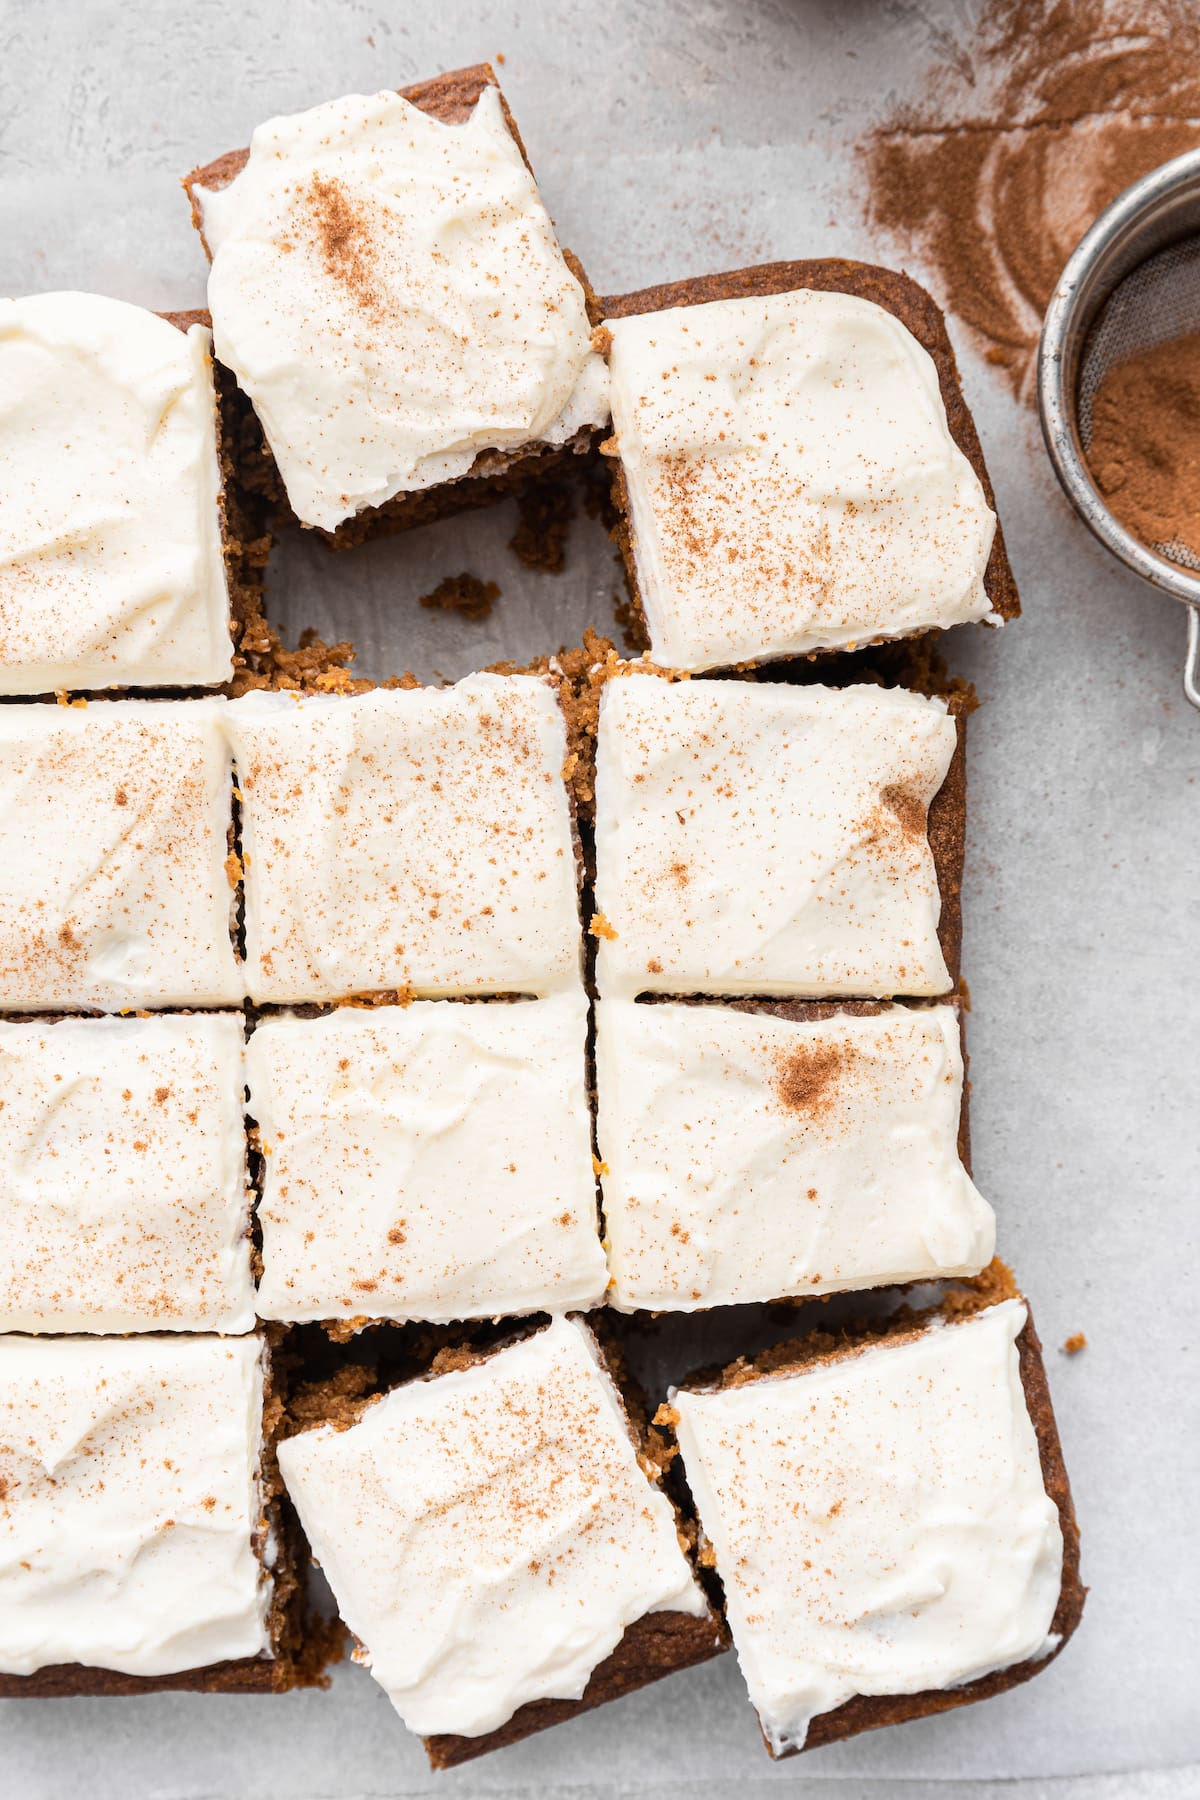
[233,868]
[465,594]
[600,928]
[1074,1344]
[666,1415]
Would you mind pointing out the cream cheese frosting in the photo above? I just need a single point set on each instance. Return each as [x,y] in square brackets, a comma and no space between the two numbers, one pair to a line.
[114,821]
[111,564]
[489,1534]
[755,838]
[880,1522]
[130,1470]
[389,292]
[123,1203]
[748,1157]
[791,481]
[426,1162]
[417,839]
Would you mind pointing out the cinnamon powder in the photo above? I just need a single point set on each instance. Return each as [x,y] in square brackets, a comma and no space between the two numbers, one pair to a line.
[1026,129]
[1145,446]
[808,1077]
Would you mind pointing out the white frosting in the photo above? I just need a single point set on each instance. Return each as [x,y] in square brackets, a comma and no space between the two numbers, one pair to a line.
[113,839]
[390,293]
[753,838]
[427,1162]
[749,1157]
[417,838]
[131,1503]
[792,482]
[489,1534]
[880,1523]
[111,567]
[123,1202]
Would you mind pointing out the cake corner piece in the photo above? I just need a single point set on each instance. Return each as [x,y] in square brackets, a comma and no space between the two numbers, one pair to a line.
[220,1606]
[990,1516]
[311,195]
[688,525]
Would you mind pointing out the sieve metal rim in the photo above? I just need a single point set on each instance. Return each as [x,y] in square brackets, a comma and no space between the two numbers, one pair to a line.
[1149,216]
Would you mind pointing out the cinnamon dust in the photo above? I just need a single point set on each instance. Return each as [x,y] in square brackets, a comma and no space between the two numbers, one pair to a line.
[809,1076]
[1026,129]
[1145,446]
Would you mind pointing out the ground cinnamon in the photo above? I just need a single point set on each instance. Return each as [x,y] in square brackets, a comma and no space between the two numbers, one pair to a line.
[1144,451]
[1026,128]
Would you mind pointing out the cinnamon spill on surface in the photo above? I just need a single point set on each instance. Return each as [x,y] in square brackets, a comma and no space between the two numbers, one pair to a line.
[809,1075]
[1145,447]
[465,594]
[1025,130]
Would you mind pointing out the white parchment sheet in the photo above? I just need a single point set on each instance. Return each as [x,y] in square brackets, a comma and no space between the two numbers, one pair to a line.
[673,138]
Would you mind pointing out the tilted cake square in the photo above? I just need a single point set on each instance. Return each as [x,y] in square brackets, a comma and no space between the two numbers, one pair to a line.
[889,1515]
[497,1542]
[388,289]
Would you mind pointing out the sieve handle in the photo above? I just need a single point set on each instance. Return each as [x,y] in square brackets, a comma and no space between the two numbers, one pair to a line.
[1191,668]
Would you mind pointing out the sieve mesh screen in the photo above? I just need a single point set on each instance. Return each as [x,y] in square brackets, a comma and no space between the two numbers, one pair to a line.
[1158,301]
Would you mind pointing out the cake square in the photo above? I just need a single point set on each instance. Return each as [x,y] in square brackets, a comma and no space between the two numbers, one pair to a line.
[761,839]
[359,253]
[114,834]
[123,1199]
[142,1543]
[795,466]
[112,571]
[498,1544]
[890,1518]
[771,1150]
[428,1162]
[416,839]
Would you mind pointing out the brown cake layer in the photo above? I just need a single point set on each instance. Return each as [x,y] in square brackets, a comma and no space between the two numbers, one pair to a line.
[867,1712]
[655,1645]
[301,1647]
[495,474]
[947,831]
[245,526]
[897,294]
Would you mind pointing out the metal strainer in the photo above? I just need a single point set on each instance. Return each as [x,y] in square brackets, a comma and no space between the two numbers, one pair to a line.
[1132,283]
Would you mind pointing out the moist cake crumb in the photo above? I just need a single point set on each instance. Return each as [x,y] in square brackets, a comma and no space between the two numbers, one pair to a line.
[1074,1344]
[466,594]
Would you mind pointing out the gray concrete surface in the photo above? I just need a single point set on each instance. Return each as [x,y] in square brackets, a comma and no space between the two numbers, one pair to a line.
[671,139]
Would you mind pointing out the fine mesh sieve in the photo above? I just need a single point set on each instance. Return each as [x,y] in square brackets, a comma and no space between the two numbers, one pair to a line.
[1133,283]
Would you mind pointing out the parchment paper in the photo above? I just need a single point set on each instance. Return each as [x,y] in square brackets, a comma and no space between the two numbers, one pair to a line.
[671,139]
